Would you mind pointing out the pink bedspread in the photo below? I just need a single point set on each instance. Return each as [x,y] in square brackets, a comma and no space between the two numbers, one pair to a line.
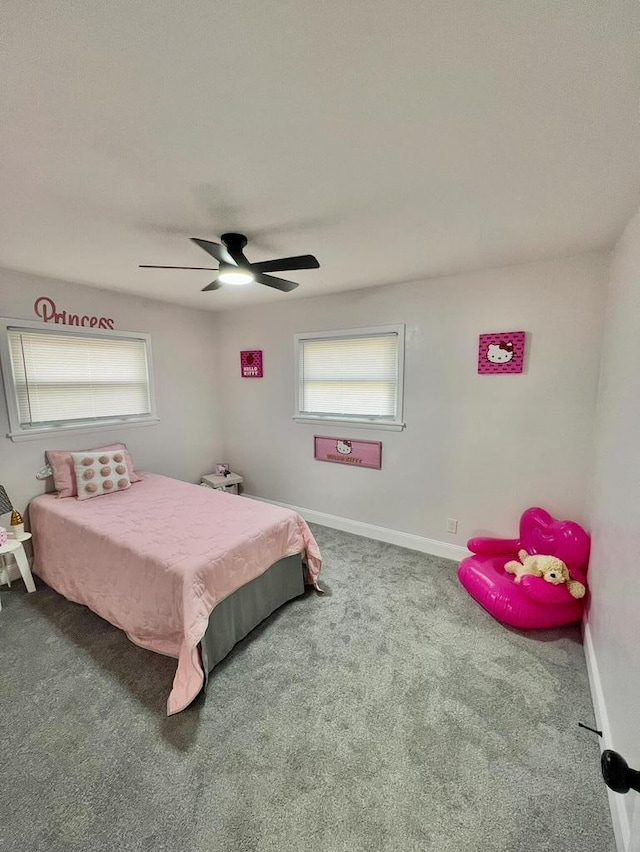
[156,559]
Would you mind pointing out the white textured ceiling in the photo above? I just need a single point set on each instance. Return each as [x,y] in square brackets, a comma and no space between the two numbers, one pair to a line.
[394,139]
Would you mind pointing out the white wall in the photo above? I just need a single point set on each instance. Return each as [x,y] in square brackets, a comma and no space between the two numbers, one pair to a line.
[186,442]
[476,448]
[614,573]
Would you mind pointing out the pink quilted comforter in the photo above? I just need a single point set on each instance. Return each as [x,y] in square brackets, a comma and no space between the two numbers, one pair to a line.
[156,559]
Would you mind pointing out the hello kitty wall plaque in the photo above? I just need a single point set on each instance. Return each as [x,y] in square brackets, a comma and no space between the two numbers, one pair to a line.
[502,352]
[251,364]
[346,451]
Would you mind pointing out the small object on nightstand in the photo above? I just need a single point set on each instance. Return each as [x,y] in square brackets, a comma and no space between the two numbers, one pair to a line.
[228,482]
[17,524]
[6,506]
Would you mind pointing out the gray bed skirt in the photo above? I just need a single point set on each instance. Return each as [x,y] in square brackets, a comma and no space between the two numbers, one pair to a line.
[236,616]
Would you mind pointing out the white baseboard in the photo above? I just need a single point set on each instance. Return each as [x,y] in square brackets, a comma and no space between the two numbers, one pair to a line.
[619,817]
[402,539]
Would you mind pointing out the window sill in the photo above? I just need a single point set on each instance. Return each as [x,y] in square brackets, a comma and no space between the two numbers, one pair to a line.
[351,424]
[85,429]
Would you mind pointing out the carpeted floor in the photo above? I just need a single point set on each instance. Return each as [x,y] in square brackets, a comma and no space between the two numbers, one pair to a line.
[391,714]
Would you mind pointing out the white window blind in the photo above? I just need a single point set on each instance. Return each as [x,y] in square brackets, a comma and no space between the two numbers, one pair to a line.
[351,376]
[64,379]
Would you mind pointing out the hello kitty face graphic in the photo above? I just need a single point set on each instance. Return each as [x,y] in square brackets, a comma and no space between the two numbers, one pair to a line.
[500,353]
[344,447]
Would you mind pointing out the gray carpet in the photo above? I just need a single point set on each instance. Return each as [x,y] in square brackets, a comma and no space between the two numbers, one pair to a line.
[391,714]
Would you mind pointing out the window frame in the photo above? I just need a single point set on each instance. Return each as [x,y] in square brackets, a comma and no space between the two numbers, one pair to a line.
[19,433]
[357,422]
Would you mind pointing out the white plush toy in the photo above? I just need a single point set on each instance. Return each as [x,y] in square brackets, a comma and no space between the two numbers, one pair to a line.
[550,568]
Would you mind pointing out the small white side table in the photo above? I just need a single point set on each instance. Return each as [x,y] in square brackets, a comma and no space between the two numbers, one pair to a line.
[16,547]
[222,483]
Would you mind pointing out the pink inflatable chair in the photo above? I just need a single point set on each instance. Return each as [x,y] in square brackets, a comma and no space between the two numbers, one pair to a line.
[532,602]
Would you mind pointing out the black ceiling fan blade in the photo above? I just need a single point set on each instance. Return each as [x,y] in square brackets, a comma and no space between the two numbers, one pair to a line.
[215,285]
[215,250]
[151,266]
[276,283]
[238,257]
[301,261]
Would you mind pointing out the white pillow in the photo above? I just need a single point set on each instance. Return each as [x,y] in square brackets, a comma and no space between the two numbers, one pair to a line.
[100,473]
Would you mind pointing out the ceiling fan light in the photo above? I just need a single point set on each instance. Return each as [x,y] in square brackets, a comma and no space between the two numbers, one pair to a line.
[236,276]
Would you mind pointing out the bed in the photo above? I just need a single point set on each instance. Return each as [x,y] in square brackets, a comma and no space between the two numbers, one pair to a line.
[184,570]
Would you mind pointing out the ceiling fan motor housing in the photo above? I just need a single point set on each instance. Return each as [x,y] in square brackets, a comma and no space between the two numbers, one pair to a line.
[234,242]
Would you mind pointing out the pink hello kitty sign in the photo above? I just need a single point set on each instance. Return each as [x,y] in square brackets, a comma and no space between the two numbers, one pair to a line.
[345,451]
[502,352]
[251,364]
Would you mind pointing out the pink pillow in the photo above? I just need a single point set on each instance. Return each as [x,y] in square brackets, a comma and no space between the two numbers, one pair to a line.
[64,477]
[100,472]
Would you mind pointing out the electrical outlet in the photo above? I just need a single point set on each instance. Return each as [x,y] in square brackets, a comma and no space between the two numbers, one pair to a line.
[452,525]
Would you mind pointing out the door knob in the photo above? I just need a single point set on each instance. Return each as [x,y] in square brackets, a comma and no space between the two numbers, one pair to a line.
[617,774]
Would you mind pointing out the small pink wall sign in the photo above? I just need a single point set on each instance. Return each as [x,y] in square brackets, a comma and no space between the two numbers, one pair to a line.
[251,364]
[346,451]
[502,352]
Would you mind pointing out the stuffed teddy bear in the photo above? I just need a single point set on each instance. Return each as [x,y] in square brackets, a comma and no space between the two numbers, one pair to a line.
[550,568]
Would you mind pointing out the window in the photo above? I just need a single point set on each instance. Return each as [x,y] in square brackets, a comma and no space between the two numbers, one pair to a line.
[352,376]
[56,380]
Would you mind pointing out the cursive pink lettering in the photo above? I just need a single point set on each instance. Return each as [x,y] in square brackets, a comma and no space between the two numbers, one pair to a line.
[46,309]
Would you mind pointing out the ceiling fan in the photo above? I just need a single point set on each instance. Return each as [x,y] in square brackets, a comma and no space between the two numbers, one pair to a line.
[235,268]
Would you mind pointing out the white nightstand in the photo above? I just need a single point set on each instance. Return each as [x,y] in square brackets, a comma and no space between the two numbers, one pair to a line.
[222,483]
[15,546]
